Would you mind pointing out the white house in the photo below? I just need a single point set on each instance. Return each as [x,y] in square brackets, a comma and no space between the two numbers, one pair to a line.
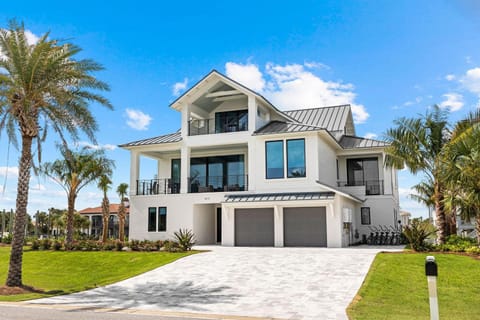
[240,172]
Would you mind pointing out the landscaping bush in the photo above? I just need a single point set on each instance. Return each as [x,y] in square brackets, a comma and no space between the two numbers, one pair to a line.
[456,243]
[57,245]
[473,250]
[171,246]
[185,239]
[35,245]
[45,244]
[417,233]
[7,239]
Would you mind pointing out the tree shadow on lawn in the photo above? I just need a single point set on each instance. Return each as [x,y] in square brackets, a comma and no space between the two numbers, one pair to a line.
[185,295]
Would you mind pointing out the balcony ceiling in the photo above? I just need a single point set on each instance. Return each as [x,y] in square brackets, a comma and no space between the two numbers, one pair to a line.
[218,94]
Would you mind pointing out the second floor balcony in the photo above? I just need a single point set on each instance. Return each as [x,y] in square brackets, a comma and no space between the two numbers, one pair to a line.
[372,187]
[223,183]
[157,186]
[230,121]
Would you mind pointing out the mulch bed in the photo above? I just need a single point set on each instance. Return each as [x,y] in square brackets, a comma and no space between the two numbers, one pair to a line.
[8,291]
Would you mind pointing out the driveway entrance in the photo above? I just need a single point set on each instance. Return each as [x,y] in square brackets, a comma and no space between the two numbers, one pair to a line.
[285,283]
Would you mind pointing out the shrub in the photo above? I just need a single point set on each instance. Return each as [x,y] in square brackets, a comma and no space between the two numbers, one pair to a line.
[417,233]
[7,239]
[118,245]
[57,245]
[46,244]
[171,246]
[456,243]
[473,250]
[185,239]
[35,245]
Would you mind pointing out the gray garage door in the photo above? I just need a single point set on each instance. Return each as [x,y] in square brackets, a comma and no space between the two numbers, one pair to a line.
[254,227]
[305,227]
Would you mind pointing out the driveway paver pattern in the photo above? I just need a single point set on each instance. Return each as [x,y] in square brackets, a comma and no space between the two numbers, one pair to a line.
[284,283]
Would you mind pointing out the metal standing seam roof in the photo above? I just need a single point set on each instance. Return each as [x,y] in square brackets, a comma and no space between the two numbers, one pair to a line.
[350,142]
[167,138]
[330,118]
[282,127]
[290,196]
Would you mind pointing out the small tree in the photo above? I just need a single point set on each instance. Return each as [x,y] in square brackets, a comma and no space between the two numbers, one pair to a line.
[122,193]
[104,185]
[417,233]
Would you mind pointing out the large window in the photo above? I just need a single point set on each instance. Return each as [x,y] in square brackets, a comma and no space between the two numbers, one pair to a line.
[213,174]
[296,158]
[365,172]
[162,219]
[231,121]
[153,218]
[274,159]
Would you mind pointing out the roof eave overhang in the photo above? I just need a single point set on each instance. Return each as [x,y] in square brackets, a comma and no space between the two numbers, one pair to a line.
[340,192]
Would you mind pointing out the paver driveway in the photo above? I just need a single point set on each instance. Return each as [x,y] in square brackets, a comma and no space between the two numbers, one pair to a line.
[286,283]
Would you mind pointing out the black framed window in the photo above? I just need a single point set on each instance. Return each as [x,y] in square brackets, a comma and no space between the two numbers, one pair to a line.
[365,215]
[162,218]
[296,158]
[274,159]
[231,121]
[152,219]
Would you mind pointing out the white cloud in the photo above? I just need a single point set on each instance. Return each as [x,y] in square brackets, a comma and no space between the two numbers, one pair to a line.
[137,119]
[412,102]
[89,145]
[471,80]
[9,171]
[247,74]
[370,135]
[179,87]
[294,86]
[453,101]
[450,77]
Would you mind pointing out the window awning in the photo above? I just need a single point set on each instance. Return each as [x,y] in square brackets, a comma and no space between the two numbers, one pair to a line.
[289,196]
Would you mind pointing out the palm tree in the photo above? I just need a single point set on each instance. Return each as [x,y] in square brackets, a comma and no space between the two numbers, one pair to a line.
[75,171]
[41,85]
[122,193]
[417,143]
[462,168]
[104,184]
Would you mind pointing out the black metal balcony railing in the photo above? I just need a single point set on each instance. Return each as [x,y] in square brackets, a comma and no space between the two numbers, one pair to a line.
[218,183]
[157,186]
[372,187]
[207,126]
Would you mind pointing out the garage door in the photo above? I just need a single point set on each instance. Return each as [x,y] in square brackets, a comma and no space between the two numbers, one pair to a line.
[305,227]
[254,227]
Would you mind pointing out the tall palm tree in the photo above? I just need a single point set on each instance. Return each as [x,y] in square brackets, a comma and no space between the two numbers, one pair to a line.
[73,172]
[462,168]
[41,85]
[104,184]
[417,143]
[122,193]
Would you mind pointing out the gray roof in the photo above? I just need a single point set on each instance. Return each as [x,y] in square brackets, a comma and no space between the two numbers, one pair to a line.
[350,142]
[289,196]
[330,118]
[282,127]
[167,138]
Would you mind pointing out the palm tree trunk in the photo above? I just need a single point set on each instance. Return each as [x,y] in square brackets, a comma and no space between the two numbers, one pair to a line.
[106,215]
[70,215]
[121,223]
[14,278]
[439,213]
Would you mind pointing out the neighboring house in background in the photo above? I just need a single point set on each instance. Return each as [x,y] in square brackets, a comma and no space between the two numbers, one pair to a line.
[405,217]
[96,221]
[466,228]
[240,172]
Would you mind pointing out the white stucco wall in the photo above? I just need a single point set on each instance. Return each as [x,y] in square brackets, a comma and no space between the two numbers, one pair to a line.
[204,223]
[381,213]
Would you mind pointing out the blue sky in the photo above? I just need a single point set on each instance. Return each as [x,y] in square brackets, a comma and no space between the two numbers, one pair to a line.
[387,58]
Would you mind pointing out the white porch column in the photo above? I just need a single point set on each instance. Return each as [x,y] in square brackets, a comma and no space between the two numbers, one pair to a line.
[278,226]
[228,226]
[185,121]
[184,169]
[252,114]
[134,171]
[334,226]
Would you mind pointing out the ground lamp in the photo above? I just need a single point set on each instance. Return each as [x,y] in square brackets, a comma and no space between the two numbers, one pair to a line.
[431,271]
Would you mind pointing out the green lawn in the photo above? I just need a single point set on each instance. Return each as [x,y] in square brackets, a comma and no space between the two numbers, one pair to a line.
[58,272]
[396,288]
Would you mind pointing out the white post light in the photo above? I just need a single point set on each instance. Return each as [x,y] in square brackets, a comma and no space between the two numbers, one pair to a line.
[431,271]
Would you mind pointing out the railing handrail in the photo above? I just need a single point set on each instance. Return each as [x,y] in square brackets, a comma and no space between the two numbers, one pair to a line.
[370,185]
[209,123]
[157,186]
[218,183]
